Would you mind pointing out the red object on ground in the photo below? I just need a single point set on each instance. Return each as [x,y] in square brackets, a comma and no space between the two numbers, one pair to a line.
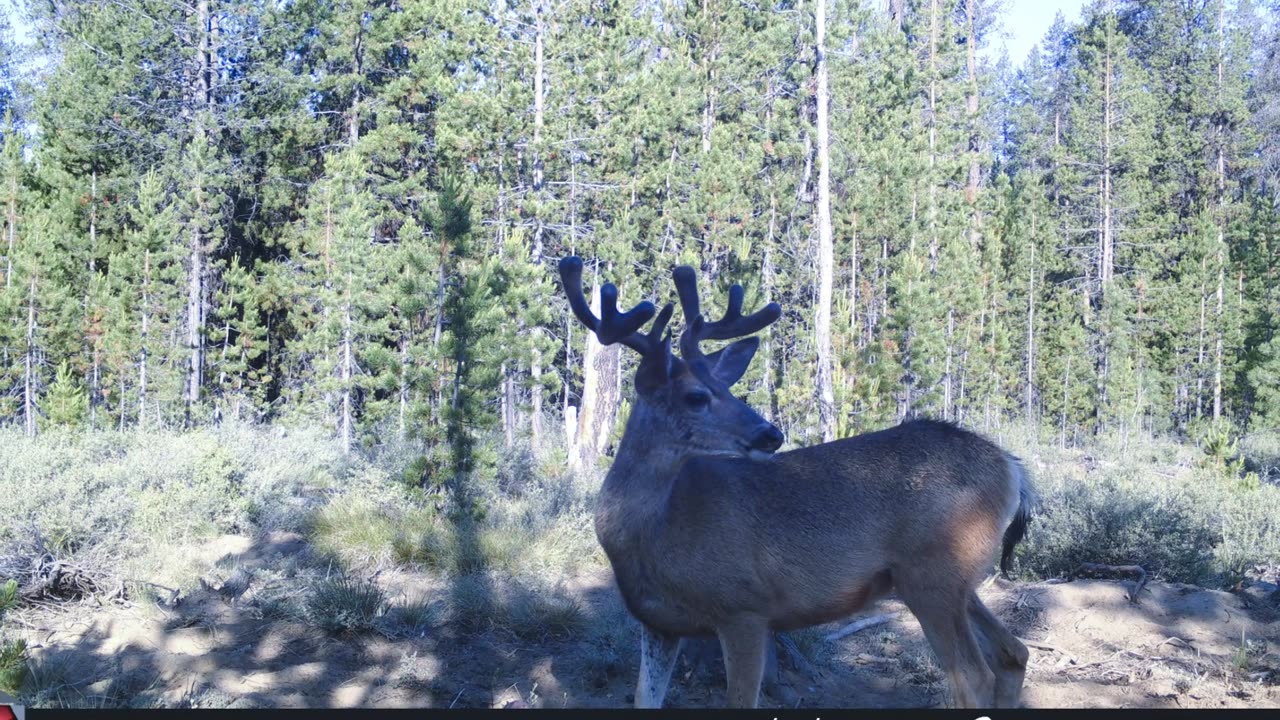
[6,713]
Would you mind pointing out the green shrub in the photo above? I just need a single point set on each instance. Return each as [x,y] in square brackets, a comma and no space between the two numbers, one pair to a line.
[13,666]
[129,498]
[1261,453]
[1203,524]
[8,596]
[67,402]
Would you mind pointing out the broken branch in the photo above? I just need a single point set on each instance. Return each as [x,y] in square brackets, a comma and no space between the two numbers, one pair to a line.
[1099,570]
[860,625]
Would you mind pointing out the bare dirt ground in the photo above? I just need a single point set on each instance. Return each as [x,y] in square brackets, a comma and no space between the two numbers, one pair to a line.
[1179,646]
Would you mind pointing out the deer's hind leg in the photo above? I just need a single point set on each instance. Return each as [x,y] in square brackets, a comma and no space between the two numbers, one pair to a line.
[943,612]
[1006,655]
[658,654]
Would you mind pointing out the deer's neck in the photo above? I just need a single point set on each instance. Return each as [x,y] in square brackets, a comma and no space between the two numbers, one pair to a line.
[640,479]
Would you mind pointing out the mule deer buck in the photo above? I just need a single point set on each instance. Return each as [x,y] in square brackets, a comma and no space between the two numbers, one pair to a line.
[710,531]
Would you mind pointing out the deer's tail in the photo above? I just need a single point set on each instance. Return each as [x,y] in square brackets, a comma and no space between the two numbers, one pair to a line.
[1017,529]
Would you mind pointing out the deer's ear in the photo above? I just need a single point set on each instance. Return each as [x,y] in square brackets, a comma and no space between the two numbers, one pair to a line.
[655,369]
[730,363]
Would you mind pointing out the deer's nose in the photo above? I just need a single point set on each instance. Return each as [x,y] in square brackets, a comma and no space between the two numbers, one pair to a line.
[767,438]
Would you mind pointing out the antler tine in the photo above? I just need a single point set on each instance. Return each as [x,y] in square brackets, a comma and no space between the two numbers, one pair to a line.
[613,326]
[660,325]
[732,325]
[571,276]
[686,281]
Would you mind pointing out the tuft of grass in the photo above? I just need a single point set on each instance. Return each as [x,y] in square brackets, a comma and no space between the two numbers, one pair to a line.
[354,530]
[345,605]
[414,617]
[527,610]
[472,606]
[535,616]
[812,645]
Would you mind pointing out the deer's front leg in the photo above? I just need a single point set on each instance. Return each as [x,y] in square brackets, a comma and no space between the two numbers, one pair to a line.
[658,655]
[743,640]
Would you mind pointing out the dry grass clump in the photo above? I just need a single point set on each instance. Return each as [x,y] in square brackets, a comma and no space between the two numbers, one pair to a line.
[530,517]
[528,608]
[345,605]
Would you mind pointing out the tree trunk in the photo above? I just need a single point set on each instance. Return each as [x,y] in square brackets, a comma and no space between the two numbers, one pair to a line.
[826,246]
[11,230]
[971,102]
[196,270]
[1106,232]
[29,366]
[931,120]
[1219,324]
[947,396]
[1200,345]
[539,73]
[709,104]
[601,393]
[195,318]
[403,390]
[345,420]
[539,104]
[853,283]
[144,340]
[1031,328]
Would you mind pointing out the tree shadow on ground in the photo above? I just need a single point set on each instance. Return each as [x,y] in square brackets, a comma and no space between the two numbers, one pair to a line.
[506,642]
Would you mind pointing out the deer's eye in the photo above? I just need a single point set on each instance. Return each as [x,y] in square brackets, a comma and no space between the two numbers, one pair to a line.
[697,400]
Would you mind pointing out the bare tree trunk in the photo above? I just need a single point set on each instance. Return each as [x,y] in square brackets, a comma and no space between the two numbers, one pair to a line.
[971,102]
[93,221]
[853,283]
[539,73]
[1221,190]
[95,380]
[601,393]
[1029,391]
[196,271]
[897,14]
[353,113]
[508,407]
[539,103]
[1200,344]
[947,398]
[11,230]
[931,119]
[345,420]
[29,366]
[1066,400]
[195,318]
[143,349]
[403,390]
[826,245]
[709,105]
[1106,232]
[766,276]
